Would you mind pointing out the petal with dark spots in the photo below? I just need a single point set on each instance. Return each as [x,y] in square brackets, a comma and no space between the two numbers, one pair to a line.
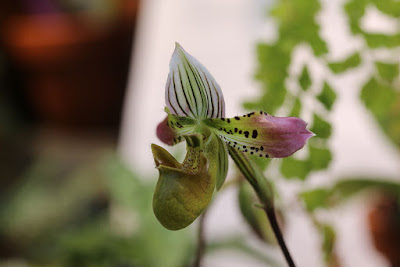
[263,134]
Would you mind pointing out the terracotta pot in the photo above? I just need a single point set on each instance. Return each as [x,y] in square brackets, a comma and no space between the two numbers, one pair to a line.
[75,69]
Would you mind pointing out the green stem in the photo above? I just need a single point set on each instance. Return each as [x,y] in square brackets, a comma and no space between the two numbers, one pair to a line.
[201,243]
[278,234]
[265,194]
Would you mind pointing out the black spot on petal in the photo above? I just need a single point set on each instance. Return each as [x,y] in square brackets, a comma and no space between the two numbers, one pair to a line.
[237,118]
[254,134]
[246,134]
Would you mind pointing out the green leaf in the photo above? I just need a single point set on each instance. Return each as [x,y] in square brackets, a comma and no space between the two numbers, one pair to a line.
[387,71]
[343,190]
[341,66]
[377,97]
[328,243]
[384,103]
[296,108]
[320,127]
[304,79]
[293,168]
[355,10]
[315,198]
[389,7]
[319,157]
[297,23]
[350,187]
[271,72]
[327,96]
[376,40]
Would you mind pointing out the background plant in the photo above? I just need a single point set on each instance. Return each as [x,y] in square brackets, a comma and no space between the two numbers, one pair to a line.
[380,94]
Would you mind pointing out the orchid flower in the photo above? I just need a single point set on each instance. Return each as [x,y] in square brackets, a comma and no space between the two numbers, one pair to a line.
[195,110]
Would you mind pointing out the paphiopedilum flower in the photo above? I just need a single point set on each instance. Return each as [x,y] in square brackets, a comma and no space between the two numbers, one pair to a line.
[196,111]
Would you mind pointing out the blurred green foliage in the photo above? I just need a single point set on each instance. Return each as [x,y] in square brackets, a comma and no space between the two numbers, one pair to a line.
[327,96]
[321,127]
[330,197]
[96,215]
[380,94]
[350,62]
[344,189]
[297,25]
[387,71]
[305,80]
[382,98]
[329,238]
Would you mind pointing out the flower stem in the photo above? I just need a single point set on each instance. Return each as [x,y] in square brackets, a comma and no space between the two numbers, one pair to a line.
[265,194]
[201,243]
[278,234]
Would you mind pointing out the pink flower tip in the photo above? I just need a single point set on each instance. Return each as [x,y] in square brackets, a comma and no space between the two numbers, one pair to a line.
[285,135]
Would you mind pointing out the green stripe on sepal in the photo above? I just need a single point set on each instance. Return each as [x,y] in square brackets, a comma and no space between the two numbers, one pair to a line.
[217,154]
[191,91]
[184,190]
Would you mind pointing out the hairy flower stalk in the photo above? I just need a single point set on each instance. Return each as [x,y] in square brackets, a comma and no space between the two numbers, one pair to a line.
[195,110]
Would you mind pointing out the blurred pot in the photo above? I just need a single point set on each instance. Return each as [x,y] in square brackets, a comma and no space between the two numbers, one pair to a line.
[75,68]
[384,224]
